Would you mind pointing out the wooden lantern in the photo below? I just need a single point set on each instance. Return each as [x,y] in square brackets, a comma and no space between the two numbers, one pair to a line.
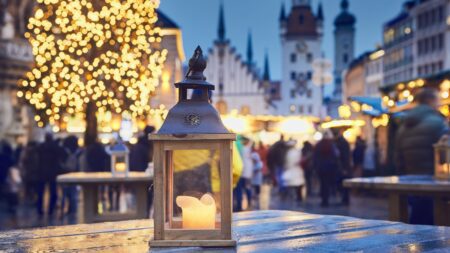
[193,175]
[119,159]
[442,158]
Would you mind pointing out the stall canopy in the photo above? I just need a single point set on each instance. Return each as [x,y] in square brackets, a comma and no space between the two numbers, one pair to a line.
[375,105]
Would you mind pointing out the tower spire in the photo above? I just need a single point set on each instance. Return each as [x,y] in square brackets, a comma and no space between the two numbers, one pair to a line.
[249,49]
[221,27]
[266,74]
[344,5]
[282,12]
[320,12]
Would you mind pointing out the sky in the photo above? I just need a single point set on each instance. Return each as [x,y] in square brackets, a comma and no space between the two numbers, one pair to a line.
[198,20]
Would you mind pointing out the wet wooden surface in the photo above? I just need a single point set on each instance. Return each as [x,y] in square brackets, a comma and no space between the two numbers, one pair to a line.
[102,177]
[399,188]
[408,183]
[261,231]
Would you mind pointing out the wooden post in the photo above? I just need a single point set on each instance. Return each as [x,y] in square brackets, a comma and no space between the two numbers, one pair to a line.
[398,207]
[159,195]
[441,211]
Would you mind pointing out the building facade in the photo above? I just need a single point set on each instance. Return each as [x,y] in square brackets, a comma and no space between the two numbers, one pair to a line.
[301,33]
[16,58]
[239,85]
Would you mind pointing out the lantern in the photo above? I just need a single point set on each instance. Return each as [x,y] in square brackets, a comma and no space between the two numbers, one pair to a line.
[193,176]
[442,158]
[119,159]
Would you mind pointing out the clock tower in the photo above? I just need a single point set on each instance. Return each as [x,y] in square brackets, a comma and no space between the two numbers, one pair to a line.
[301,39]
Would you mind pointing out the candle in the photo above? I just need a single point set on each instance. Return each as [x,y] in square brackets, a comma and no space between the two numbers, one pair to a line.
[198,213]
[120,167]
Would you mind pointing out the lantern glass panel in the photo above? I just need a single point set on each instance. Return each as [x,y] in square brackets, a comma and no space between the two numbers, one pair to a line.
[120,163]
[443,162]
[193,189]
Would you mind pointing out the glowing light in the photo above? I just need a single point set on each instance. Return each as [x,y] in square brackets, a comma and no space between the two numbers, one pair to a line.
[345,112]
[343,123]
[236,123]
[295,126]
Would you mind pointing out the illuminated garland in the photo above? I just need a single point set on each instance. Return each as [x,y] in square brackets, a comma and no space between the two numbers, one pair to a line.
[103,52]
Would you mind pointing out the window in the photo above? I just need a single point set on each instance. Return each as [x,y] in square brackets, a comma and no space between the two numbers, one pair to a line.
[441,41]
[309,57]
[433,43]
[345,58]
[293,57]
[292,108]
[309,93]
[292,93]
[300,108]
[309,75]
[310,109]
[293,75]
[301,19]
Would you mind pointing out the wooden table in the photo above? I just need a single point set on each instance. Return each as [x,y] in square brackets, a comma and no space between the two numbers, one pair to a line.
[399,188]
[260,231]
[91,182]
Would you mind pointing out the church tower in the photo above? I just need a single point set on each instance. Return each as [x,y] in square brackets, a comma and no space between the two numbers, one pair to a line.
[344,46]
[301,39]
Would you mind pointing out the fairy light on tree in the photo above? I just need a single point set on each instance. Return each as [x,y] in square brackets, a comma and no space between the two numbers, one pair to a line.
[92,57]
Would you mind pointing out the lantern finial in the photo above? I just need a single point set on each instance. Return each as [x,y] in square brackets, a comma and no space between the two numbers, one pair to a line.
[197,64]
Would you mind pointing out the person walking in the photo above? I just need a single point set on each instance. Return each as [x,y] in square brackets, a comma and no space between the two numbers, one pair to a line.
[358,157]
[326,163]
[244,184]
[71,164]
[257,175]
[293,178]
[344,166]
[51,159]
[141,154]
[419,129]
[7,191]
[306,163]
[29,166]
[275,161]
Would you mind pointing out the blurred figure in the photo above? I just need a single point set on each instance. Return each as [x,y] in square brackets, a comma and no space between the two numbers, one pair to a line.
[97,159]
[344,166]
[71,164]
[141,154]
[420,128]
[306,163]
[6,185]
[326,163]
[51,159]
[244,184]
[292,177]
[358,157]
[275,161]
[257,176]
[262,151]
[29,165]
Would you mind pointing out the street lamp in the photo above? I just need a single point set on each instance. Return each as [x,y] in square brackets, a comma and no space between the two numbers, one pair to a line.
[321,77]
[191,149]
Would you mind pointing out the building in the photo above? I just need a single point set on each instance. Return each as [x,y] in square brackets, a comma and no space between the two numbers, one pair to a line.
[398,44]
[301,32]
[16,58]
[239,86]
[172,41]
[431,36]
[344,53]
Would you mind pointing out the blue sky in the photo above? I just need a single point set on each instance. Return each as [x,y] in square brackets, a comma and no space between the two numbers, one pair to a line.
[198,21]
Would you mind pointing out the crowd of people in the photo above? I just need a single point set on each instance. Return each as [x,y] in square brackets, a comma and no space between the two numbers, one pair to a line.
[293,171]
[26,172]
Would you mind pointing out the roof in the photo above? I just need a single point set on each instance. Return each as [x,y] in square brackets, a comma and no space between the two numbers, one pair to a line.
[164,21]
[345,18]
[301,22]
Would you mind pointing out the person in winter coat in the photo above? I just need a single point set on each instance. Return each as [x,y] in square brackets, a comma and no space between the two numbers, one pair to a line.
[51,159]
[71,164]
[97,159]
[141,154]
[257,175]
[345,169]
[244,185]
[29,165]
[358,157]
[307,164]
[275,160]
[293,178]
[326,163]
[420,128]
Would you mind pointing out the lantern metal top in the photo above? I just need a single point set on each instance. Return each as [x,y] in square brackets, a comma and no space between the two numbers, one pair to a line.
[195,115]
[118,148]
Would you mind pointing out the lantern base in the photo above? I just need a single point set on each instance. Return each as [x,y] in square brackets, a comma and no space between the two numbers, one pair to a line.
[192,243]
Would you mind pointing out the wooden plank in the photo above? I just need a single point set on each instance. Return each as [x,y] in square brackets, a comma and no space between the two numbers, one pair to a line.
[192,137]
[186,234]
[170,200]
[226,188]
[90,197]
[208,145]
[159,196]
[398,207]
[193,243]
[102,177]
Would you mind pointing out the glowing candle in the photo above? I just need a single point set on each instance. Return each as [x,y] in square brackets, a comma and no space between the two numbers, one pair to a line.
[120,167]
[198,213]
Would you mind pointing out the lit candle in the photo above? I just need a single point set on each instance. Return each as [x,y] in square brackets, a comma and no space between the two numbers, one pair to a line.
[198,213]
[120,167]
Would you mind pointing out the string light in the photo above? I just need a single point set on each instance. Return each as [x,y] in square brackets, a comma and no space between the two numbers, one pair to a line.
[105,53]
